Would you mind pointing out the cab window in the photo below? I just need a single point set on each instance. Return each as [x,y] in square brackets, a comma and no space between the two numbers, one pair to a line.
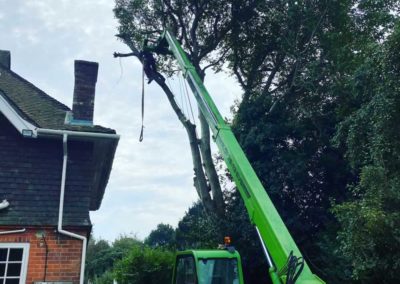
[218,271]
[186,271]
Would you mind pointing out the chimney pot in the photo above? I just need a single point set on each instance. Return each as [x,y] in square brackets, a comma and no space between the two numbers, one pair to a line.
[5,58]
[84,91]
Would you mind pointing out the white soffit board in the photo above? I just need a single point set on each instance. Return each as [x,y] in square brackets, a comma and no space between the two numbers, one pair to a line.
[19,123]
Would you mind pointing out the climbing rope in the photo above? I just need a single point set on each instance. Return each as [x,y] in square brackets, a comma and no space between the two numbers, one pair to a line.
[142,128]
[188,96]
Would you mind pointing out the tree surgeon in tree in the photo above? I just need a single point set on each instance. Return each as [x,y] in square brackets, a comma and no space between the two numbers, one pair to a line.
[200,26]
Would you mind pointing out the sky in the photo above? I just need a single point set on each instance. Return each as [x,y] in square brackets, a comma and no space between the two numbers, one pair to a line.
[151,181]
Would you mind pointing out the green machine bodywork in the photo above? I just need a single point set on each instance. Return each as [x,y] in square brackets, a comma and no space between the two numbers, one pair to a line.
[279,246]
[208,267]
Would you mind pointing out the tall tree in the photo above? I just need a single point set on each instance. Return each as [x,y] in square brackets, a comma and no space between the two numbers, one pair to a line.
[369,235]
[163,236]
[200,26]
[98,259]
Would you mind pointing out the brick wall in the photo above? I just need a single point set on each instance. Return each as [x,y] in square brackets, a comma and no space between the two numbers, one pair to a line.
[64,254]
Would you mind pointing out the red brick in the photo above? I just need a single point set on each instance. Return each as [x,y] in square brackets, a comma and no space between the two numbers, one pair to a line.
[64,257]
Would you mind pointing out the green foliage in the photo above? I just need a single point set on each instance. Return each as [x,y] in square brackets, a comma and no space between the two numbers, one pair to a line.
[98,259]
[122,245]
[105,278]
[101,256]
[163,236]
[198,229]
[369,235]
[144,265]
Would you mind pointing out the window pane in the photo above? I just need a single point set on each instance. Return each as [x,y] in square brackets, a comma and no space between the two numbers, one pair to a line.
[3,254]
[186,271]
[15,254]
[2,270]
[14,269]
[12,281]
[221,271]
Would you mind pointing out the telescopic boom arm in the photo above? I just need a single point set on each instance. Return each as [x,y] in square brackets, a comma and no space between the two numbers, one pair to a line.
[278,244]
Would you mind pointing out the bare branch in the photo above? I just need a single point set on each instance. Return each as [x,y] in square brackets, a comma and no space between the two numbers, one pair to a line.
[215,62]
[272,74]
[117,54]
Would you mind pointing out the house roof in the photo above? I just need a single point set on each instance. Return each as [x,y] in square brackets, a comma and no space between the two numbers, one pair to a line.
[35,106]
[44,112]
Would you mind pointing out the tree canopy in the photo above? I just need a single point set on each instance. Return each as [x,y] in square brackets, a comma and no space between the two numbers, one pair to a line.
[318,119]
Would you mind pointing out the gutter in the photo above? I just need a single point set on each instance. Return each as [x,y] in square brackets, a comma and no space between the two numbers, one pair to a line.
[53,132]
[12,232]
[61,209]
[4,205]
[27,129]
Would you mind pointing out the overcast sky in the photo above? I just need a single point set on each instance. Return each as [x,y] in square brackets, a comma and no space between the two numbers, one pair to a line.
[151,182]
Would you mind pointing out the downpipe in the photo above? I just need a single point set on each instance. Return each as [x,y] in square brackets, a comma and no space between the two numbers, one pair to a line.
[61,209]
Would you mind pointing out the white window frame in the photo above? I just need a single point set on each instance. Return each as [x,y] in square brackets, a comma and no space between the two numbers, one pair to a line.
[25,258]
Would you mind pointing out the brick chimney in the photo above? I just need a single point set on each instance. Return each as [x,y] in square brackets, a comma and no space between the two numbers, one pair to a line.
[84,91]
[5,58]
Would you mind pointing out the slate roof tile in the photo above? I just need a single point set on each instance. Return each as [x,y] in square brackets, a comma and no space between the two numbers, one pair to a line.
[36,106]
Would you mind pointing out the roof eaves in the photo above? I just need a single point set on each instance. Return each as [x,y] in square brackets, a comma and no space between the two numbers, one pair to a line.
[21,124]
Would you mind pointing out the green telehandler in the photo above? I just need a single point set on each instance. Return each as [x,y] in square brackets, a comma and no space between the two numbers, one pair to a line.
[223,266]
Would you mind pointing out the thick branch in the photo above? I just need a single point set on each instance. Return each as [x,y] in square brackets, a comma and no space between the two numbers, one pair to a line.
[216,62]
[209,167]
[236,71]
[200,181]
[272,74]
[193,34]
[117,54]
